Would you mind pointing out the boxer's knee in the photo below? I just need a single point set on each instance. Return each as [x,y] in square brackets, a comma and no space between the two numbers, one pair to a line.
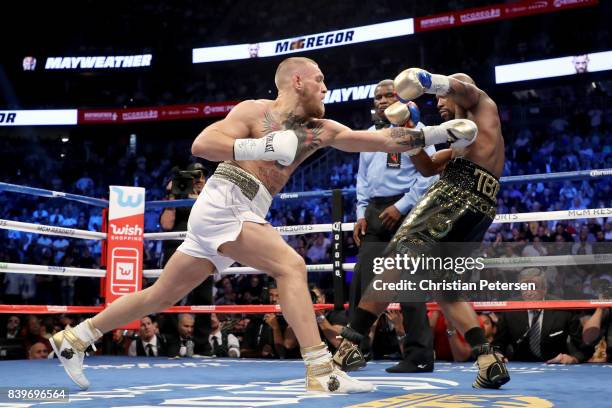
[293,266]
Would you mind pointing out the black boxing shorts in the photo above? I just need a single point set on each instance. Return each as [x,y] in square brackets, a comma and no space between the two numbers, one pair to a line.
[458,208]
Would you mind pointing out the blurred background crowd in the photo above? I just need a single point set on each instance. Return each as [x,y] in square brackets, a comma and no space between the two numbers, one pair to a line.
[550,125]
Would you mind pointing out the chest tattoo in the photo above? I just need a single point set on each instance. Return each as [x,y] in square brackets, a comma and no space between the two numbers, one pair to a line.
[308,132]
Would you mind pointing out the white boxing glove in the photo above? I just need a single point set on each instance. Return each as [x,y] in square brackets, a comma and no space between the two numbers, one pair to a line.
[280,146]
[414,82]
[460,133]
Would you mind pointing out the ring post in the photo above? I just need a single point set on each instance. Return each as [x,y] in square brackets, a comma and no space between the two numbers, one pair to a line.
[125,244]
[337,257]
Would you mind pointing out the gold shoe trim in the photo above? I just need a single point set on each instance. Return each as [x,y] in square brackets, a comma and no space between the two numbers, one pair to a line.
[312,349]
[57,339]
[74,341]
[317,370]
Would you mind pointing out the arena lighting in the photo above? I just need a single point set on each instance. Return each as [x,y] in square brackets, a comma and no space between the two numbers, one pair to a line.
[554,67]
[397,28]
[306,42]
[65,139]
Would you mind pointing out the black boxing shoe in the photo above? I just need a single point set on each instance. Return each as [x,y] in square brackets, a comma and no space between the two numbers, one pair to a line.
[492,370]
[408,366]
[348,357]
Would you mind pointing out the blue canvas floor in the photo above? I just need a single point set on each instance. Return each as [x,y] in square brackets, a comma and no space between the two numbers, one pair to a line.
[153,382]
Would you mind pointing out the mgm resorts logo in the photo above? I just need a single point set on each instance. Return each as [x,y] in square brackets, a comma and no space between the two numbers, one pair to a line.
[315,41]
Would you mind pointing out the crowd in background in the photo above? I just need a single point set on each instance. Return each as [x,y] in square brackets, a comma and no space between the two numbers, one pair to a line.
[562,128]
[580,141]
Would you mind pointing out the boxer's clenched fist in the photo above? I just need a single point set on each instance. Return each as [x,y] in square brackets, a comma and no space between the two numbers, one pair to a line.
[460,133]
[414,82]
[400,113]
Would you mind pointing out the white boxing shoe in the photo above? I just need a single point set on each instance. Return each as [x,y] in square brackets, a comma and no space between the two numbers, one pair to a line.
[70,350]
[327,378]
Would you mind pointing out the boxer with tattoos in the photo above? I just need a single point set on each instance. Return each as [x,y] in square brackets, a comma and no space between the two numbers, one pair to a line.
[260,144]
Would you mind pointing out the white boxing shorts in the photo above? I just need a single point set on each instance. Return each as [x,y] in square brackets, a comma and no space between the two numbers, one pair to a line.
[230,197]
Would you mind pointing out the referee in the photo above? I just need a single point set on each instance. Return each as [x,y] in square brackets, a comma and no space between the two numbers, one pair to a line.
[388,186]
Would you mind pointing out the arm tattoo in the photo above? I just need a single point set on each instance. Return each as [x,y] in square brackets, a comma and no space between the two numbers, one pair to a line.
[408,137]
[307,132]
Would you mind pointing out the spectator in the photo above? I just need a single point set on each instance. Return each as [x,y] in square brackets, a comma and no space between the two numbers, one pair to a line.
[183,344]
[264,336]
[40,214]
[85,184]
[330,323]
[489,324]
[535,249]
[582,247]
[12,327]
[222,343]
[38,351]
[318,251]
[56,218]
[568,190]
[149,343]
[553,336]
[116,343]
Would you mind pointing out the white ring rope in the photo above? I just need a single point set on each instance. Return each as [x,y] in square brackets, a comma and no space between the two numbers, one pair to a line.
[297,229]
[51,230]
[553,215]
[348,226]
[497,263]
[515,262]
[8,267]
[284,230]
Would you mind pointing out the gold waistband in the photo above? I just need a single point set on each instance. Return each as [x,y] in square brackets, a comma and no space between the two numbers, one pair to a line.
[456,194]
[247,183]
[469,176]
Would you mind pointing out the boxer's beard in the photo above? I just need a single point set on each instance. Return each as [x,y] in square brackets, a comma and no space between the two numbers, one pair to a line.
[313,107]
[320,111]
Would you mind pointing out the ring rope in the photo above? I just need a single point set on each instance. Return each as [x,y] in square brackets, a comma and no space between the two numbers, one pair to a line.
[348,226]
[527,178]
[498,263]
[8,267]
[500,306]
[562,260]
[51,230]
[41,192]
[297,229]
